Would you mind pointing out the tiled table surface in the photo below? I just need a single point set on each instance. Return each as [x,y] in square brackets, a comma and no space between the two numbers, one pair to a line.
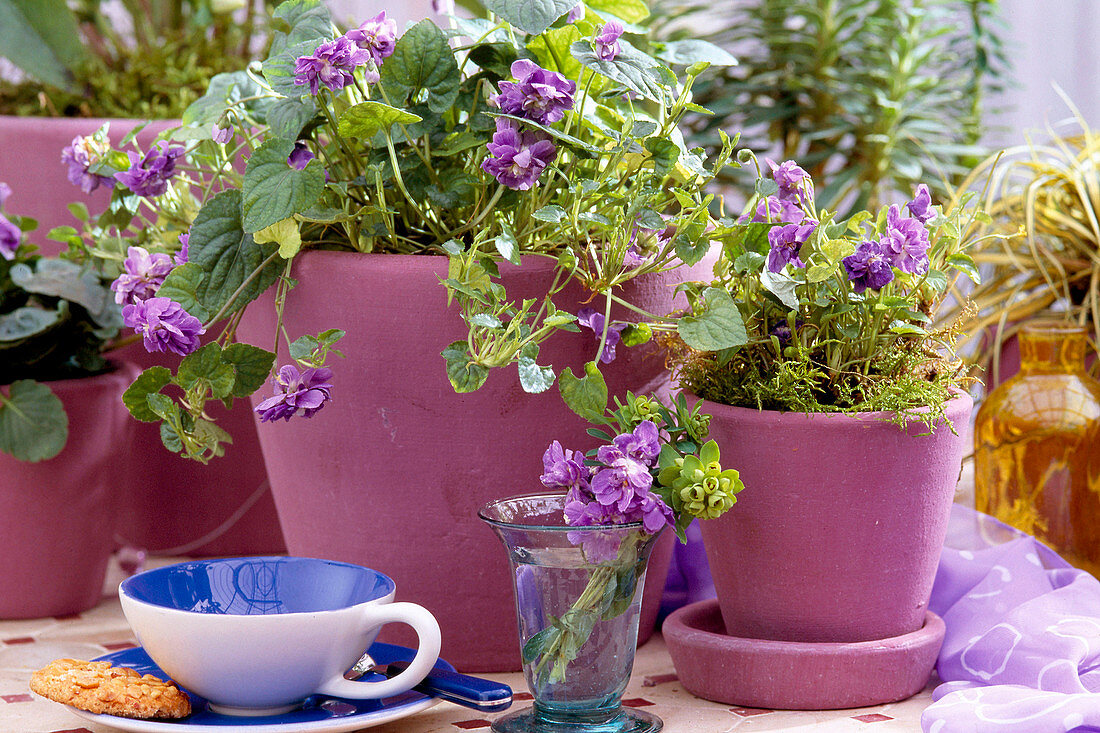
[28,645]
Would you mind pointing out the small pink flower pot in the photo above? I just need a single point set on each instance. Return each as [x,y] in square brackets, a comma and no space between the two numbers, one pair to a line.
[835,540]
[57,516]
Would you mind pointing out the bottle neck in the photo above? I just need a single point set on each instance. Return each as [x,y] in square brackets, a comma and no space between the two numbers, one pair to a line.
[1051,347]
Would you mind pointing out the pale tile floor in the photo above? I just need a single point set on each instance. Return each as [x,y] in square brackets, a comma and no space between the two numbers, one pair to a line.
[28,645]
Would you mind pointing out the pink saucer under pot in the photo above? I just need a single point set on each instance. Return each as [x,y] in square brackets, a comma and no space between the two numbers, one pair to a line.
[785,675]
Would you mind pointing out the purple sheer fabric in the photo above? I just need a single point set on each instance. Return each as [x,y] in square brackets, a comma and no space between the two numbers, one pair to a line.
[1022,650]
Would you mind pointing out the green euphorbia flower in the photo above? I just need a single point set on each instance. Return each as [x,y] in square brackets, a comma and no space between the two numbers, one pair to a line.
[643,408]
[698,484]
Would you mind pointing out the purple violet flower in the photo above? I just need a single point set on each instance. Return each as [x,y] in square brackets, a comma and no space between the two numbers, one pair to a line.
[518,158]
[786,242]
[920,206]
[307,391]
[299,157]
[790,177]
[591,318]
[443,7]
[577,13]
[563,468]
[655,513]
[9,238]
[775,209]
[606,43]
[616,483]
[642,445]
[869,267]
[183,254]
[906,241]
[537,94]
[149,175]
[782,331]
[221,135]
[164,325]
[332,64]
[142,274]
[378,36]
[5,191]
[80,155]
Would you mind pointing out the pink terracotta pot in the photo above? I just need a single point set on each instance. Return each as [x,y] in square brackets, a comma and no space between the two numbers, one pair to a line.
[177,506]
[838,532]
[392,472]
[55,528]
[30,162]
[171,505]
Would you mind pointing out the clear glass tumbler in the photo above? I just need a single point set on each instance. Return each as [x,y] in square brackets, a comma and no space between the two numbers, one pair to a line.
[578,597]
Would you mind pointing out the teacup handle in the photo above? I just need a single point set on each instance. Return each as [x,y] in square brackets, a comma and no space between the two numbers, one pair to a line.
[427,652]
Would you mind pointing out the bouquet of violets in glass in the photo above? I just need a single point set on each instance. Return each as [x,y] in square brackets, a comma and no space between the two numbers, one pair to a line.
[656,469]
[537,133]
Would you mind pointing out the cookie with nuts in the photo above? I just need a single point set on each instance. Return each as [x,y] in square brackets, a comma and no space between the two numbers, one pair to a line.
[100,688]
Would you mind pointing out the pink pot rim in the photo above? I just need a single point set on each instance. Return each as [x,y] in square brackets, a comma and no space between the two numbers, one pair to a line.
[957,410]
[122,370]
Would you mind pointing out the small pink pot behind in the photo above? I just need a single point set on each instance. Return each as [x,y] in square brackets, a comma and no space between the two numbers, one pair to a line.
[30,162]
[838,532]
[172,505]
[55,528]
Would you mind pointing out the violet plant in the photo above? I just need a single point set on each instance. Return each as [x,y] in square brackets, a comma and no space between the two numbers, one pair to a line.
[57,318]
[535,132]
[823,315]
[655,469]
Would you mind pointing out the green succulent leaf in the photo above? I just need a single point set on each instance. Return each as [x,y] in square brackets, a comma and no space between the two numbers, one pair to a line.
[534,378]
[367,119]
[587,395]
[465,375]
[33,423]
[718,327]
[286,117]
[632,11]
[149,382]
[423,60]
[692,51]
[206,366]
[68,280]
[182,285]
[631,68]
[228,255]
[530,16]
[28,321]
[274,190]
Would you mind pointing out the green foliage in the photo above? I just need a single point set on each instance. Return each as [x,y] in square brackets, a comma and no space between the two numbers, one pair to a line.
[870,96]
[33,423]
[82,61]
[397,161]
[811,335]
[56,319]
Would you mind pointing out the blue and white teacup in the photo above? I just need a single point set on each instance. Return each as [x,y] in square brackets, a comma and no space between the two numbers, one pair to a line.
[258,635]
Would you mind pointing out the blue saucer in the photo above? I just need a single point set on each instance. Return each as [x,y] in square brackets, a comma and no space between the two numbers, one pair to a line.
[318,713]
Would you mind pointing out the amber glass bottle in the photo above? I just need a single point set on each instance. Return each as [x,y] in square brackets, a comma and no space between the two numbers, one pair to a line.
[1037,445]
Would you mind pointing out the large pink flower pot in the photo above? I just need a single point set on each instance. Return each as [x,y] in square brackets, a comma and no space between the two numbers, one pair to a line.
[824,567]
[392,472]
[170,505]
[55,527]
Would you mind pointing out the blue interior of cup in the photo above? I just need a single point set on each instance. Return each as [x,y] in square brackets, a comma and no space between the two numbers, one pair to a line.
[258,585]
